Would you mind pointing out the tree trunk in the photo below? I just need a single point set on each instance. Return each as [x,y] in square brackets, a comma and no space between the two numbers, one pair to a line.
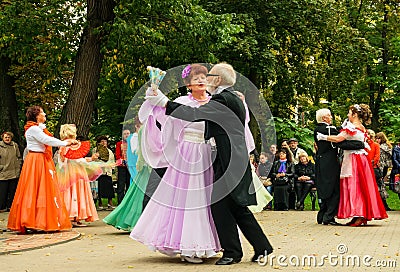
[8,103]
[385,61]
[83,95]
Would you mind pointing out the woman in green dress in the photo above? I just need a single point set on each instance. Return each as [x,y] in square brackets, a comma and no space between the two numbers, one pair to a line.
[127,213]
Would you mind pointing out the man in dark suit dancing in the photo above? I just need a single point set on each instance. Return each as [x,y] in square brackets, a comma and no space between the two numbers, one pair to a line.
[327,168]
[233,189]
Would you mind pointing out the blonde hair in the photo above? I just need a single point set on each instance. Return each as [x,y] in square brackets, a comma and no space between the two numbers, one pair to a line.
[384,140]
[303,154]
[68,131]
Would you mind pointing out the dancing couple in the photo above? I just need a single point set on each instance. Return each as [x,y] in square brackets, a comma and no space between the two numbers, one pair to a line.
[196,209]
[346,191]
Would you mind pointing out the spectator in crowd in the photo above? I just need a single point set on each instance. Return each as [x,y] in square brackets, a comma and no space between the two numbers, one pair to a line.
[293,145]
[282,179]
[104,182]
[272,156]
[396,164]
[385,159]
[263,172]
[385,162]
[303,179]
[10,167]
[292,194]
[373,153]
[123,176]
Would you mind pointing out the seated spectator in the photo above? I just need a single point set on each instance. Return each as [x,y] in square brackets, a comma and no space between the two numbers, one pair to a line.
[263,170]
[303,179]
[293,144]
[282,179]
[272,156]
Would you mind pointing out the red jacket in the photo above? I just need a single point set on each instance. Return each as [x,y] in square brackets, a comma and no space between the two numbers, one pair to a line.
[120,150]
[374,153]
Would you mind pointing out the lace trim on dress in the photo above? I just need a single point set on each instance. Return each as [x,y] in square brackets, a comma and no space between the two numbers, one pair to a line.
[347,167]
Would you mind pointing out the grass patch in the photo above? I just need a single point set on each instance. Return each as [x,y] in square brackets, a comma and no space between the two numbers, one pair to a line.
[393,202]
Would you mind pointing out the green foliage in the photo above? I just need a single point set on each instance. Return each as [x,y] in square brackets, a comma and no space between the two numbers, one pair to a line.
[162,34]
[298,52]
[287,128]
[41,39]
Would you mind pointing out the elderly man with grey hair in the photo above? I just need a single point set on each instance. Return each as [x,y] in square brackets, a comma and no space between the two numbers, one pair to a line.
[233,190]
[327,167]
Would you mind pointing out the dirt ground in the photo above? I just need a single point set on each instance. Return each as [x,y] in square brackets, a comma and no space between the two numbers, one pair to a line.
[103,248]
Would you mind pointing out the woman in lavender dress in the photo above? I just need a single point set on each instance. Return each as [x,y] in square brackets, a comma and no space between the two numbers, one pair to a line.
[178,219]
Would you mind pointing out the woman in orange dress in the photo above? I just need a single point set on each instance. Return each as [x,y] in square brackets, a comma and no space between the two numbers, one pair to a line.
[37,204]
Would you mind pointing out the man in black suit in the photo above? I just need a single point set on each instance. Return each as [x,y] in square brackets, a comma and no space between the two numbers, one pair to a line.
[233,188]
[327,168]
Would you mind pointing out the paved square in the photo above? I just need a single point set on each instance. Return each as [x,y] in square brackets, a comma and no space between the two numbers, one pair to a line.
[300,244]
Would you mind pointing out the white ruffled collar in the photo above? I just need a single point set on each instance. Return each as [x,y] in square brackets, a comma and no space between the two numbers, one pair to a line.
[350,126]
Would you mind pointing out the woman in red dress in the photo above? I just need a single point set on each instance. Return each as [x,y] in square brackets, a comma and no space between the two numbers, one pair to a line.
[360,200]
[37,204]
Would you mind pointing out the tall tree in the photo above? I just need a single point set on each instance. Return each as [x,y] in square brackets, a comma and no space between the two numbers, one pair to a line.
[162,34]
[8,101]
[81,100]
[37,44]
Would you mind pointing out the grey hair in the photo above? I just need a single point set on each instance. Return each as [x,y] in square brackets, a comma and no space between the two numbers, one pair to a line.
[319,114]
[226,72]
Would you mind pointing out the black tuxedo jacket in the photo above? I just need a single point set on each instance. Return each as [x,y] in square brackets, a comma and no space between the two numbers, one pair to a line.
[327,167]
[224,117]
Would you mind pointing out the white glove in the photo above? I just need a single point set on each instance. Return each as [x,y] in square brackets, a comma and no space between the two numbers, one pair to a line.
[157,100]
[321,136]
[150,91]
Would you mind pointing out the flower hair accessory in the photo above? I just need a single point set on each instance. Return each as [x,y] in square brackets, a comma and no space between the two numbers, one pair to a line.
[186,71]
[357,107]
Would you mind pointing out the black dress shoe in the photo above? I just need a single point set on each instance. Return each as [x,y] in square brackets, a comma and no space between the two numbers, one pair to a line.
[227,261]
[332,222]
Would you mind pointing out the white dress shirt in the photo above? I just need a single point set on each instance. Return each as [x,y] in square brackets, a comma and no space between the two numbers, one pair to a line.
[36,139]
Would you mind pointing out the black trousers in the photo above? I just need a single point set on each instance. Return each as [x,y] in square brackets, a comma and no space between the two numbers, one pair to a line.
[302,190]
[123,182]
[328,207]
[227,217]
[7,192]
[281,197]
[106,189]
[154,180]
